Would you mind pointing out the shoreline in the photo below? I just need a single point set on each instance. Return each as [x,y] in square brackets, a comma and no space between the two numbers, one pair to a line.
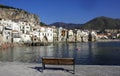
[34,69]
[108,40]
[6,45]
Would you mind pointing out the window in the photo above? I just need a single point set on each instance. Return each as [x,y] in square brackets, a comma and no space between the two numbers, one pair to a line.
[51,34]
[27,27]
[43,34]
[9,33]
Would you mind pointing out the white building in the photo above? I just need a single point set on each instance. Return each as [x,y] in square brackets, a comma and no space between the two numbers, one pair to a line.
[25,27]
[55,34]
[62,34]
[71,36]
[1,28]
[35,34]
[8,27]
[16,38]
[94,36]
[25,38]
[46,34]
[79,35]
[85,36]
[49,34]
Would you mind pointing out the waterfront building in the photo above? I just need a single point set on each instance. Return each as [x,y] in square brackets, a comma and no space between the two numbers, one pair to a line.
[71,36]
[49,34]
[25,38]
[35,34]
[46,34]
[16,38]
[94,36]
[1,28]
[29,32]
[55,34]
[43,36]
[7,35]
[85,36]
[79,36]
[25,27]
[62,34]
[102,36]
[1,39]
[118,35]
[9,26]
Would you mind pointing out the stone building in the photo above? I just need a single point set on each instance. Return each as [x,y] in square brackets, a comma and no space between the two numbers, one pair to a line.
[62,34]
[79,36]
[71,36]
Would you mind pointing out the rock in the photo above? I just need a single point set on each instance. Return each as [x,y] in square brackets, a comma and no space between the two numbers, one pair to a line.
[16,15]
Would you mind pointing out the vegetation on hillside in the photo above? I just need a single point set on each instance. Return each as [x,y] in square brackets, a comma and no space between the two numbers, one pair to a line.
[43,24]
[66,25]
[99,23]
[102,23]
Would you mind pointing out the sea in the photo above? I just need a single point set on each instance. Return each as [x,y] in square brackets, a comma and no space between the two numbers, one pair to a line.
[84,53]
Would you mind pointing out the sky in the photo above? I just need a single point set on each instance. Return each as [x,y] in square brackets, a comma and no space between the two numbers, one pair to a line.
[68,11]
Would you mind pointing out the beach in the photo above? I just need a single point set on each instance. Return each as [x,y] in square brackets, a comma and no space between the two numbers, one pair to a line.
[35,69]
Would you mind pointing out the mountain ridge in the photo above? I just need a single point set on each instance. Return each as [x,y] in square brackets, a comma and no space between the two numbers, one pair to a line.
[97,23]
[102,22]
[66,25]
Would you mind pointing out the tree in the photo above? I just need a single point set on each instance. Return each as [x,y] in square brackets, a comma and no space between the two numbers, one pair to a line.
[42,24]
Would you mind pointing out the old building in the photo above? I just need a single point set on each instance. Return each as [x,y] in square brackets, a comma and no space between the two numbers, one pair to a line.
[79,36]
[71,36]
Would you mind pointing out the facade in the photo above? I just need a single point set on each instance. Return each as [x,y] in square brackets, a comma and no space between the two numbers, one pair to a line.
[62,34]
[1,28]
[16,38]
[55,34]
[7,35]
[85,36]
[28,32]
[49,34]
[25,38]
[25,27]
[71,36]
[46,34]
[79,35]
[43,34]
[35,34]
[7,29]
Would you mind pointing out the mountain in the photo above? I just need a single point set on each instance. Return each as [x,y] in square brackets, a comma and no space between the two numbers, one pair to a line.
[16,14]
[66,25]
[102,23]
[98,23]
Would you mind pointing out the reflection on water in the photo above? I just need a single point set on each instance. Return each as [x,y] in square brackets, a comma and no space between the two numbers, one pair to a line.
[98,53]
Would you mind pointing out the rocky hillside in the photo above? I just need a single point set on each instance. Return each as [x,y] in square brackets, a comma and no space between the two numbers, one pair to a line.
[98,23]
[102,23]
[16,14]
[66,25]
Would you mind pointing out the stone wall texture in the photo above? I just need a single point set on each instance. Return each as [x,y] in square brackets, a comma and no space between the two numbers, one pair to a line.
[16,14]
